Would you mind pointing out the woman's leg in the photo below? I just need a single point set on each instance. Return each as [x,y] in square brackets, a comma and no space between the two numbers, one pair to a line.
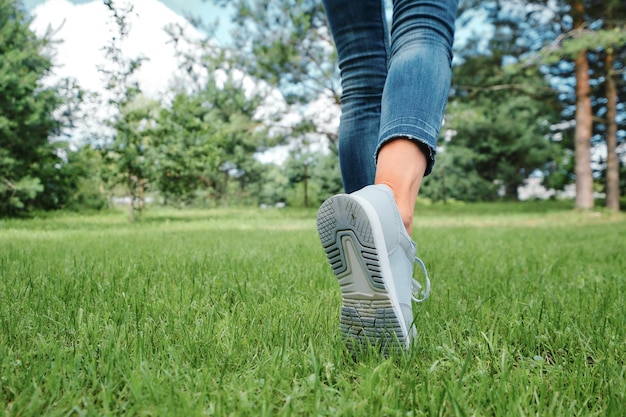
[392,108]
[414,97]
[361,38]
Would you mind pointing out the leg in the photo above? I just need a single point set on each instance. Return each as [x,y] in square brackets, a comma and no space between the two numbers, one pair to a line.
[360,34]
[414,97]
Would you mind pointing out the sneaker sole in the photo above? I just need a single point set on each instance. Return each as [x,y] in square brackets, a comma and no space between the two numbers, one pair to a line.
[368,316]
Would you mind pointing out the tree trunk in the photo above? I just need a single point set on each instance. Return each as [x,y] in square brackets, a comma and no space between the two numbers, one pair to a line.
[131,206]
[142,194]
[582,136]
[306,186]
[443,183]
[131,213]
[612,162]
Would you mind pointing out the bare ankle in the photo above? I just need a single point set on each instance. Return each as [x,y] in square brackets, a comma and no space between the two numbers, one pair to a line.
[401,166]
[407,220]
[404,202]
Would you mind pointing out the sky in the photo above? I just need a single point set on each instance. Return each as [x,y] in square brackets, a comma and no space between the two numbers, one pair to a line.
[83,29]
[196,8]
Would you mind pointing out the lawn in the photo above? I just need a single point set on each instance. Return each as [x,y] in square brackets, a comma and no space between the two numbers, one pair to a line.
[235,312]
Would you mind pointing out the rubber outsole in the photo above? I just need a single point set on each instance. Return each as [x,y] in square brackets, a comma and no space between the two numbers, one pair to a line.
[367,314]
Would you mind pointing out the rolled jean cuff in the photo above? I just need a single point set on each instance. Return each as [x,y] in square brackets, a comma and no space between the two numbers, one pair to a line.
[423,137]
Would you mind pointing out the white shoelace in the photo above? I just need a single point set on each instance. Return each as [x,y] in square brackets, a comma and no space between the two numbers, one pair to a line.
[417,287]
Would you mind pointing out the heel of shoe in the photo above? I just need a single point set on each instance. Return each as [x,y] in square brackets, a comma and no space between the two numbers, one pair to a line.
[368,317]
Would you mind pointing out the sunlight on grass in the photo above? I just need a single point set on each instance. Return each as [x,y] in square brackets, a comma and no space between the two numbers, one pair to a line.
[234,312]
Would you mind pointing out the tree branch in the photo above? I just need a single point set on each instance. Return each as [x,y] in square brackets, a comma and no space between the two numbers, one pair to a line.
[9,184]
[555,45]
[473,90]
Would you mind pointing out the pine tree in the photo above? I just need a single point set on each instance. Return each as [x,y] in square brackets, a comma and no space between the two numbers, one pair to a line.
[26,108]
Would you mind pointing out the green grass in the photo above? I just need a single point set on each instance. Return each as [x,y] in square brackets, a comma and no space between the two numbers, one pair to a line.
[236,313]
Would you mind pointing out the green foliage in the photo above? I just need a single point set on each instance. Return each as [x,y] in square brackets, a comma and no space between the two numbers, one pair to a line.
[19,193]
[26,113]
[622,198]
[603,28]
[274,186]
[287,45]
[198,149]
[503,119]
[550,34]
[183,148]
[128,158]
[584,41]
[455,177]
[83,170]
[313,177]
[327,176]
[205,140]
[560,171]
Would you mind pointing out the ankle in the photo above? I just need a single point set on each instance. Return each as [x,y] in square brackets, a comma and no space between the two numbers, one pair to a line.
[407,219]
[401,166]
[405,203]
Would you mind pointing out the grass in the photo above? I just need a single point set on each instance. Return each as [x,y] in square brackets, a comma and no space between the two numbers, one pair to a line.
[235,313]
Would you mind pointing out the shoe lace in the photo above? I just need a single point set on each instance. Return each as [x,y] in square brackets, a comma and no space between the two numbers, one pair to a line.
[418,293]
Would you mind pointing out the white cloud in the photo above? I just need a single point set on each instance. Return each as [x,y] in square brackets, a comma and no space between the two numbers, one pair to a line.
[85,29]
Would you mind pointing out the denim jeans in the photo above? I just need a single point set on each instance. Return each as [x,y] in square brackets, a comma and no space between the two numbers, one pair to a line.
[393,85]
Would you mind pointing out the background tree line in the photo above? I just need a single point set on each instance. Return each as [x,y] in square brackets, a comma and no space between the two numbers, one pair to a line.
[541,95]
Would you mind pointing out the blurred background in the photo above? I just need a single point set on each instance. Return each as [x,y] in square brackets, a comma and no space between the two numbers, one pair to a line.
[237,103]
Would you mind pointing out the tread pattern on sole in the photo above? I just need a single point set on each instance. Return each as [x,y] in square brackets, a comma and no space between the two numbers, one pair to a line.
[367,315]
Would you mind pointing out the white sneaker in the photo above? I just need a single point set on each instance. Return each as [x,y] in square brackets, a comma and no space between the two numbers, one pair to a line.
[372,256]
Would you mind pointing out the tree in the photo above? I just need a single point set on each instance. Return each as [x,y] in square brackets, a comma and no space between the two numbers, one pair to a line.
[287,44]
[501,114]
[26,113]
[582,141]
[298,168]
[82,170]
[613,16]
[129,157]
[326,176]
[183,149]
[274,186]
[312,176]
[612,169]
[455,177]
[125,155]
[575,31]
[597,30]
[206,139]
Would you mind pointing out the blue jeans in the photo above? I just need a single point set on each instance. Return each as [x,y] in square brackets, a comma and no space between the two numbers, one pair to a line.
[392,86]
